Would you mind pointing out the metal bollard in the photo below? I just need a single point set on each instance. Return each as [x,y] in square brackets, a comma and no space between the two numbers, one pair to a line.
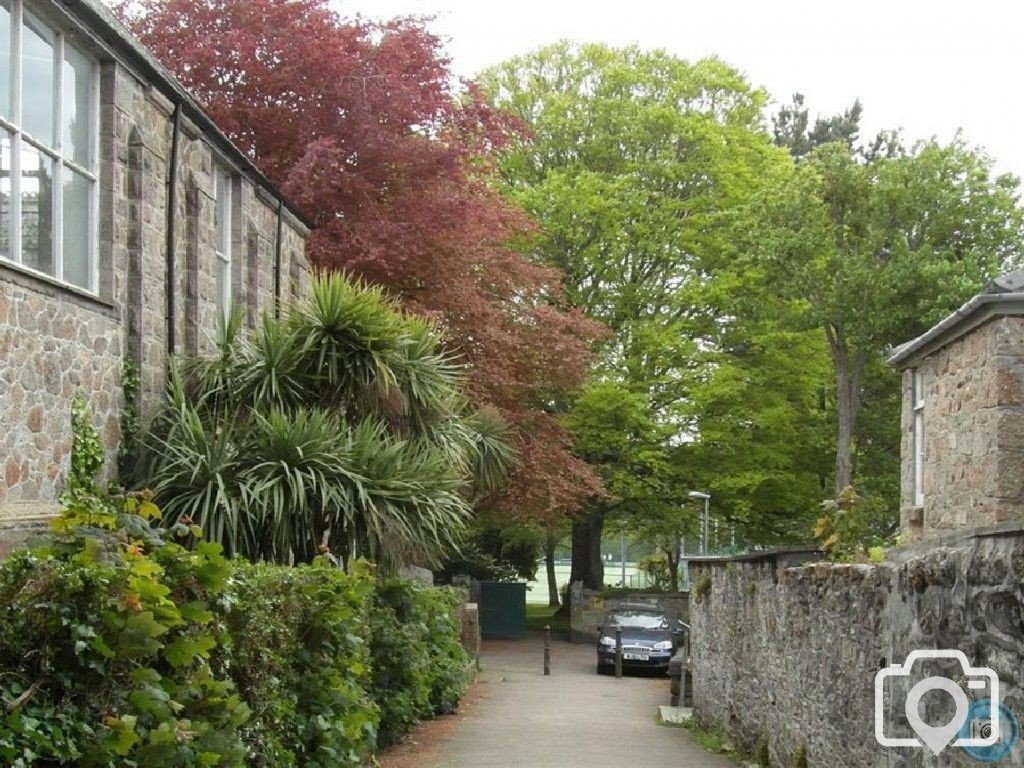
[547,649]
[618,652]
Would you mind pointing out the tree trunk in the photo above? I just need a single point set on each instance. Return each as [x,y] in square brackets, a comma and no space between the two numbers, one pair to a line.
[550,544]
[849,372]
[586,550]
[672,555]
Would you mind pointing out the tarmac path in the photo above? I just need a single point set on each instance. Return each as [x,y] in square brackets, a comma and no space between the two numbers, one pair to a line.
[518,717]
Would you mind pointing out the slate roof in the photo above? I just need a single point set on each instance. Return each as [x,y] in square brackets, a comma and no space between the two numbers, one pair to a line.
[1002,297]
[1011,282]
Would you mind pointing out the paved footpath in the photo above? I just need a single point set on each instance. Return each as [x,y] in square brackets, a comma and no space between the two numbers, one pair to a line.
[573,718]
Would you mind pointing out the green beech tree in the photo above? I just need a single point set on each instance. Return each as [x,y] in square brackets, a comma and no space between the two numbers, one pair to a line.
[630,161]
[761,413]
[878,243]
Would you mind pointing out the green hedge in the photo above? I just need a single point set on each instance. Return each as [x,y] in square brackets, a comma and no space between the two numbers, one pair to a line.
[104,658]
[118,653]
[300,658]
[419,667]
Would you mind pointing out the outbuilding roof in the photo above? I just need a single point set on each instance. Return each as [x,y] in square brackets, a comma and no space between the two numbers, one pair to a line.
[1002,297]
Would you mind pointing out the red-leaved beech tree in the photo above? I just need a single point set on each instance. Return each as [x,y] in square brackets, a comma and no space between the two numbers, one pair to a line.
[362,125]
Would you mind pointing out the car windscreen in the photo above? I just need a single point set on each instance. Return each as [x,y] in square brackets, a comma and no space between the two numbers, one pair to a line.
[638,620]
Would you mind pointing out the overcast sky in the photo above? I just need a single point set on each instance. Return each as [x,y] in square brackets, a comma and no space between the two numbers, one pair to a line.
[928,66]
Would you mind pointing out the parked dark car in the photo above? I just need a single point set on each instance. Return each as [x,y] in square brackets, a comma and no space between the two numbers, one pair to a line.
[649,638]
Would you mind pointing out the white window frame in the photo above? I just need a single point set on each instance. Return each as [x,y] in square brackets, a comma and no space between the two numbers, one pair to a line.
[222,182]
[12,126]
[917,405]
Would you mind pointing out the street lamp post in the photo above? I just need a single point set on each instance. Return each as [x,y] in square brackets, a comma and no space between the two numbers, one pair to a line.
[622,557]
[705,527]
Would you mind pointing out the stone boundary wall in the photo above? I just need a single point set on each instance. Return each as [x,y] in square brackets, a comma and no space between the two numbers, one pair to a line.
[789,655]
[589,607]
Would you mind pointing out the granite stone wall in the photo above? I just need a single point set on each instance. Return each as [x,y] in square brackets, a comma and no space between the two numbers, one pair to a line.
[789,655]
[973,433]
[52,345]
[469,630]
[136,140]
[56,341]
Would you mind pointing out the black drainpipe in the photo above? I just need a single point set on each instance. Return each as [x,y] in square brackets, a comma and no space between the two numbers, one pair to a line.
[172,211]
[277,261]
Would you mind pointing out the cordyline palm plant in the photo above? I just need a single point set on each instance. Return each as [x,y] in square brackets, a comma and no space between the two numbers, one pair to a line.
[341,425]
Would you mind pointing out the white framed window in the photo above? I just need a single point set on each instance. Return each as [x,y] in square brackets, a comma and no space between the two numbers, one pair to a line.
[49,146]
[917,396]
[222,215]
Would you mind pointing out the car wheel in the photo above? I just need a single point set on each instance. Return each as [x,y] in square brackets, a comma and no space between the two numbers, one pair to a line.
[603,669]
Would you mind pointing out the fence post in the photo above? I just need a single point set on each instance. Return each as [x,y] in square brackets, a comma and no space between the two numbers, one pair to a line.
[618,651]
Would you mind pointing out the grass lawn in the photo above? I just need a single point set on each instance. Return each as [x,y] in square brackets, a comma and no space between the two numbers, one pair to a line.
[537,616]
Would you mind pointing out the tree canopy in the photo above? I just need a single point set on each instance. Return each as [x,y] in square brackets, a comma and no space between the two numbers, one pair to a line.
[363,126]
[633,165]
[878,246]
[658,291]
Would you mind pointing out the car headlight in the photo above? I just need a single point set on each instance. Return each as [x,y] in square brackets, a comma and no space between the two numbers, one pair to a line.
[663,645]
[608,642]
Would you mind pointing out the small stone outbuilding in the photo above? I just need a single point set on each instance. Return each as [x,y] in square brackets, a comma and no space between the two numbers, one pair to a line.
[129,227]
[962,442]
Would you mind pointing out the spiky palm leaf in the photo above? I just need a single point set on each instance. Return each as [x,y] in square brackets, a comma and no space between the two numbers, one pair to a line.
[298,477]
[493,456]
[429,381]
[211,380]
[269,372]
[196,478]
[341,422]
[352,332]
[413,497]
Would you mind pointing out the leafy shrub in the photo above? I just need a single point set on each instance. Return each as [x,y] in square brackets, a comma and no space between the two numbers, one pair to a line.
[118,653]
[104,651]
[471,560]
[106,633]
[131,425]
[655,568]
[419,667]
[701,588]
[120,647]
[300,658]
[853,525]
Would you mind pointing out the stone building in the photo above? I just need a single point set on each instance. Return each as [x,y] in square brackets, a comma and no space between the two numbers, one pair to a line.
[129,225]
[963,415]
